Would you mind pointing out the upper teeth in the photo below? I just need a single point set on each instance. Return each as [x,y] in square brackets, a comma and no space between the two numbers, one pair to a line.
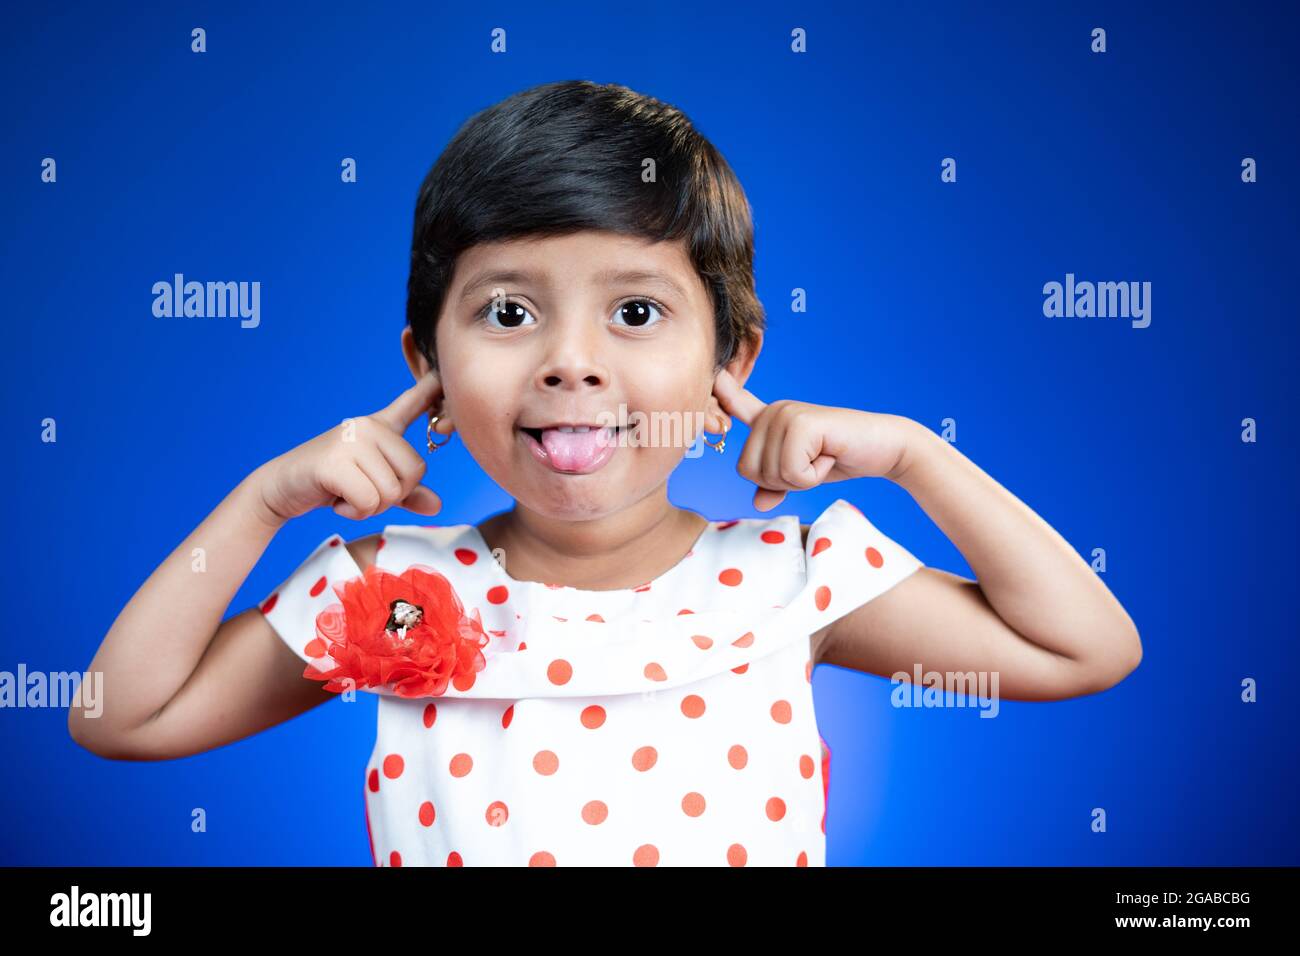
[575,428]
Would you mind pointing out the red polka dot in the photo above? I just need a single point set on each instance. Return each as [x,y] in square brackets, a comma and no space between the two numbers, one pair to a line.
[541,858]
[379,544]
[728,524]
[318,587]
[685,610]
[393,766]
[373,779]
[775,808]
[430,714]
[461,764]
[807,766]
[497,814]
[559,671]
[594,812]
[693,804]
[644,758]
[736,855]
[498,594]
[394,859]
[508,716]
[655,671]
[465,555]
[334,542]
[820,545]
[702,642]
[803,859]
[315,648]
[596,617]
[270,603]
[744,640]
[453,859]
[874,558]
[781,712]
[741,669]
[730,576]
[646,855]
[693,705]
[545,762]
[427,813]
[593,716]
[822,597]
[772,537]
[738,756]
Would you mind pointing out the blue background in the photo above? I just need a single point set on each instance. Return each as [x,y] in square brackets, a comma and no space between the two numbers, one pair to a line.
[925,300]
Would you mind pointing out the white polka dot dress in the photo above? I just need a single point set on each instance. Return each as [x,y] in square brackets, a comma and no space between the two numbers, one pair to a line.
[670,724]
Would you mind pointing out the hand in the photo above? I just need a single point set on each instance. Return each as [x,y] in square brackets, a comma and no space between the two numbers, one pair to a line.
[794,446]
[361,467]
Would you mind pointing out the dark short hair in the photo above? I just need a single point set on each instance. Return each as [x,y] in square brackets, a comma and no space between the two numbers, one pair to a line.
[567,156]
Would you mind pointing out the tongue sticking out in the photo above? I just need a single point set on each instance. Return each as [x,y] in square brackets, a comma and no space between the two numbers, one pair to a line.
[574,451]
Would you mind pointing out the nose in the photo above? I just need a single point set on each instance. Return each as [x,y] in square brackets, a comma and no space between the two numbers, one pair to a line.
[572,362]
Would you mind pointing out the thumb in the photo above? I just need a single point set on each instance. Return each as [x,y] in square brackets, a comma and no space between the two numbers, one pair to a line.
[821,466]
[422,501]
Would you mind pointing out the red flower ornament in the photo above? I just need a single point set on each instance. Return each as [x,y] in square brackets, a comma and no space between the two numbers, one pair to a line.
[409,630]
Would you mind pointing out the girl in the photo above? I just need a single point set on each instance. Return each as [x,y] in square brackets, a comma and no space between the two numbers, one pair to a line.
[595,676]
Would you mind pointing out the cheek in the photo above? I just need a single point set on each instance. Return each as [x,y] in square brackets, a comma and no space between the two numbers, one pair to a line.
[468,396]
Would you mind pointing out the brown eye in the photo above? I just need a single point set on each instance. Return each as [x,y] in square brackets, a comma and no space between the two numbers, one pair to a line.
[510,317]
[637,313]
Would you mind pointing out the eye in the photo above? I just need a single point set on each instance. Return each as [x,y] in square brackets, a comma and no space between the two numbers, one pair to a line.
[637,312]
[512,316]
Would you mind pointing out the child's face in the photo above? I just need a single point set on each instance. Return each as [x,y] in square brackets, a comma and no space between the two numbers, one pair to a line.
[566,341]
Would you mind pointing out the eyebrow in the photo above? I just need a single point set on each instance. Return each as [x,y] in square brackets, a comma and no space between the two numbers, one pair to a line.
[606,277]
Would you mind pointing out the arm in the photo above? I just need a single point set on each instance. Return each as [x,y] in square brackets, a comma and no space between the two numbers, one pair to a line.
[256,679]
[178,680]
[1038,615]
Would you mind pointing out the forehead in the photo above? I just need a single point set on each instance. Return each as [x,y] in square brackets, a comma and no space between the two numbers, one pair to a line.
[589,257]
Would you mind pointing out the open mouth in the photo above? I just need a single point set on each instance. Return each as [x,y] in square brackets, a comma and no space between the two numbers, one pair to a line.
[574,450]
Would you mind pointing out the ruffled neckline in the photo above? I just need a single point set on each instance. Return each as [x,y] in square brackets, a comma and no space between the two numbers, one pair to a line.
[847,561]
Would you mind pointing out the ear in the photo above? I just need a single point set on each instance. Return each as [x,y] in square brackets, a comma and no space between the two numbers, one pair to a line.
[419,367]
[415,359]
[740,367]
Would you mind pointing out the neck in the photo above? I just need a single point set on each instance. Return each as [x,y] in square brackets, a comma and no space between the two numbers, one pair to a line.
[615,551]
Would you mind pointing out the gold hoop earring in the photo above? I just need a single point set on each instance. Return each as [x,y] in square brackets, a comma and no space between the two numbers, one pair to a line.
[432,421]
[722,442]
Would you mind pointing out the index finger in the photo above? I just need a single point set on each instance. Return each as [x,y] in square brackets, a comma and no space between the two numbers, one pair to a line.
[735,399]
[411,404]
